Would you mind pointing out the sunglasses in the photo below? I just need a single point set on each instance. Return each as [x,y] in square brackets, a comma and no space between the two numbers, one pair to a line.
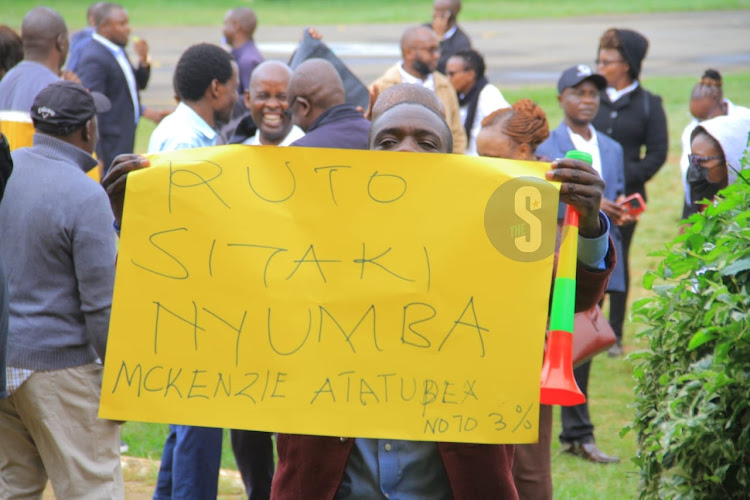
[700,160]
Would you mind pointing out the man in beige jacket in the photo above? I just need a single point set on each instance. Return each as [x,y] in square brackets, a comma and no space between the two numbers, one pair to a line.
[420,52]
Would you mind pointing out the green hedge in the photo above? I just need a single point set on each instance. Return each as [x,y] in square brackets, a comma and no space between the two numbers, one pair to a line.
[692,409]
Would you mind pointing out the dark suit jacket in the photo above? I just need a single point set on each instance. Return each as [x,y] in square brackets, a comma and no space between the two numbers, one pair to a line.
[340,127]
[613,173]
[99,71]
[634,120]
[456,43]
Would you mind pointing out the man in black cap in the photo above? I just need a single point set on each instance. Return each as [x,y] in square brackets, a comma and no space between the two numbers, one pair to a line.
[58,248]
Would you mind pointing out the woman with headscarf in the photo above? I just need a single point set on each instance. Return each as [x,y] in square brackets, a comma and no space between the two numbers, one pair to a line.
[706,101]
[717,148]
[635,118]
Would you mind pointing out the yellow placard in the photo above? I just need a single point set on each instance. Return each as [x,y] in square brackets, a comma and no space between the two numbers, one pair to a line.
[18,128]
[333,292]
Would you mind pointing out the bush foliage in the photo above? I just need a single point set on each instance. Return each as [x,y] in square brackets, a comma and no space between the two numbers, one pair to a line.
[693,385]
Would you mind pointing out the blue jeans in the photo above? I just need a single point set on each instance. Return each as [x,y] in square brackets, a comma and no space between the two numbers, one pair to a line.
[189,464]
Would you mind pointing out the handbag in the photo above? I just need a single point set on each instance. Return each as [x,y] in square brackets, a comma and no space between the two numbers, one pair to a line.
[591,335]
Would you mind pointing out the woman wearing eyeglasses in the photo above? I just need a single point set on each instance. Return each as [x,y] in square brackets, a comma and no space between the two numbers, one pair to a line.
[717,146]
[635,118]
[706,101]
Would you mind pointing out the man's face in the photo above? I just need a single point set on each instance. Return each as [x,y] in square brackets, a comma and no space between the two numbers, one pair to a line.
[426,53]
[461,78]
[298,105]
[227,96]
[267,101]
[580,103]
[411,128]
[442,9]
[93,130]
[229,29]
[117,28]
[64,46]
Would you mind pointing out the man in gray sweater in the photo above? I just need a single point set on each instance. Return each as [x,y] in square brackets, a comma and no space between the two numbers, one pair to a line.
[58,249]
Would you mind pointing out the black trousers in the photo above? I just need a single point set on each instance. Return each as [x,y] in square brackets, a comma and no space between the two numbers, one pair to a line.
[618,300]
[576,423]
[253,452]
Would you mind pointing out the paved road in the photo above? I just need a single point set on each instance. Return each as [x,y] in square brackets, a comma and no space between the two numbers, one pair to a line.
[517,52]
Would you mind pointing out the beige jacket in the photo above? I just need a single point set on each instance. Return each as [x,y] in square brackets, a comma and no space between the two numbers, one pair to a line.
[444,91]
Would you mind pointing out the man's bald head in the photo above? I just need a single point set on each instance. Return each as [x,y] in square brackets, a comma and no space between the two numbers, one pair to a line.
[315,87]
[104,12]
[239,26]
[266,70]
[411,127]
[420,50]
[44,35]
[452,5]
[91,13]
[407,92]
[415,35]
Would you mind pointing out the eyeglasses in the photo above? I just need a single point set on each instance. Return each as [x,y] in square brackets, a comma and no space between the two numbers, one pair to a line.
[451,73]
[698,160]
[605,63]
[431,50]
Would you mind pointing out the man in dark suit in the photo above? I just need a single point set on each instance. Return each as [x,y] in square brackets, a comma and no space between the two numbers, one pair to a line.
[317,103]
[104,67]
[578,95]
[452,38]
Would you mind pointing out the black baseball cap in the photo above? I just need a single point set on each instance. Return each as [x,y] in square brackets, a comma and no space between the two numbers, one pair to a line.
[576,74]
[63,106]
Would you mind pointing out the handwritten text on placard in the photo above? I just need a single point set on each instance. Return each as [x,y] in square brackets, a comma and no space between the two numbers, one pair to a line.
[332,292]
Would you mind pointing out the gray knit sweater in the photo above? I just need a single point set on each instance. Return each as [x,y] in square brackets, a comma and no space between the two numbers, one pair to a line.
[58,249]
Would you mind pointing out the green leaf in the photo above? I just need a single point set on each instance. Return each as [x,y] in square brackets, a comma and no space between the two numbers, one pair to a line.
[736,267]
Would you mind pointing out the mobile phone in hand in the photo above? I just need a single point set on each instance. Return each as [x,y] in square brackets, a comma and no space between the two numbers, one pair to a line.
[633,204]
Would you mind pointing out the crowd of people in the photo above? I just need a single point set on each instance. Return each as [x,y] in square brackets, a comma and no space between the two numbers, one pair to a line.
[58,230]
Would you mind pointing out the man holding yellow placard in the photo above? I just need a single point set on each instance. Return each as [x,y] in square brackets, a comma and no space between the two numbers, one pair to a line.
[317,466]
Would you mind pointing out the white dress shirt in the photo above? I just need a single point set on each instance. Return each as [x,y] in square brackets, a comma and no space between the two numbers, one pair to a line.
[590,146]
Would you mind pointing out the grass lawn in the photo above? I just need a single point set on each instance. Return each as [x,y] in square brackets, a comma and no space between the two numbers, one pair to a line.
[319,12]
[611,386]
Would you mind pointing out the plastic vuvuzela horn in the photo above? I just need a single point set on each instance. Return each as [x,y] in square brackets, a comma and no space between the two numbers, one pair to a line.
[559,386]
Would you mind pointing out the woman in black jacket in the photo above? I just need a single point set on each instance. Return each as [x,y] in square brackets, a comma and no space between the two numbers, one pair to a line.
[635,118]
